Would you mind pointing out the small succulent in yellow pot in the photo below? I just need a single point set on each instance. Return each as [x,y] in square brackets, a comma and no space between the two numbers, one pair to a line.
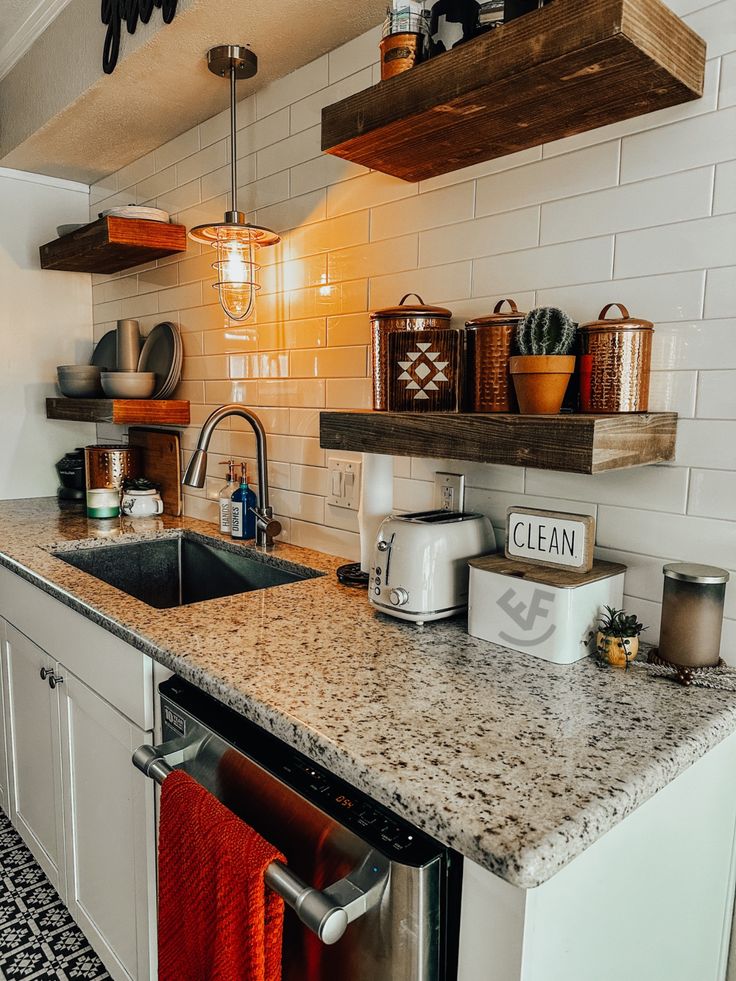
[617,639]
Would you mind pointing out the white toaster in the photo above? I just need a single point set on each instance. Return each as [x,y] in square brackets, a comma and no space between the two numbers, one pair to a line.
[420,570]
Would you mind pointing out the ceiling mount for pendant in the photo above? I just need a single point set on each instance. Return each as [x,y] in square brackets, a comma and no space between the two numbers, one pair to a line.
[236,241]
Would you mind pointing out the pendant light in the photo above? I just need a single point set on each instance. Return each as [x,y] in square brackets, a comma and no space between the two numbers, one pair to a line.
[235,240]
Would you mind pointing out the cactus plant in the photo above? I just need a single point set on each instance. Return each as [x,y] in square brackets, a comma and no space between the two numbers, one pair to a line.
[545,330]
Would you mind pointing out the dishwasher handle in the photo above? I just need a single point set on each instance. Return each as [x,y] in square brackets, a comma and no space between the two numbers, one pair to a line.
[326,913]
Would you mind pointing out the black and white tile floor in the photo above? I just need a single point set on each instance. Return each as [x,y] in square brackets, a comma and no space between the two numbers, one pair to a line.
[39,941]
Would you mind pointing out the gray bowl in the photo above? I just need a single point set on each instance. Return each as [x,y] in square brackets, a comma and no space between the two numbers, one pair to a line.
[79,381]
[128,384]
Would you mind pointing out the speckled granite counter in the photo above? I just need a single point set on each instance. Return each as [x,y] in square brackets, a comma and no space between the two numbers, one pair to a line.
[516,763]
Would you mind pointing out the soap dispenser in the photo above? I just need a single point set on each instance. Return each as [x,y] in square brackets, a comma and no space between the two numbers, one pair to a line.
[242,518]
[224,498]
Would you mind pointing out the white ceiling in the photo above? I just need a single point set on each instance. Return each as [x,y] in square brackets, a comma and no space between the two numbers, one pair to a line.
[21,22]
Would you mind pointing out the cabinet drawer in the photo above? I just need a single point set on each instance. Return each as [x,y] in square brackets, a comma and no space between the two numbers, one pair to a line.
[120,674]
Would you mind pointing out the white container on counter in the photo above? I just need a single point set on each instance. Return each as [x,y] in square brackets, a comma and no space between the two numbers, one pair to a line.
[550,613]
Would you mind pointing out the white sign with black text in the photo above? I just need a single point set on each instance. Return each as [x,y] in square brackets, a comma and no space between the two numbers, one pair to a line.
[550,538]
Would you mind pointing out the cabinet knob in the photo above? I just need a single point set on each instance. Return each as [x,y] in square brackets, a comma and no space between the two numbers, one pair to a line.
[55,679]
[44,673]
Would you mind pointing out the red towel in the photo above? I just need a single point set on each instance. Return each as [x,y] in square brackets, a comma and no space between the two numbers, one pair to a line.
[217,919]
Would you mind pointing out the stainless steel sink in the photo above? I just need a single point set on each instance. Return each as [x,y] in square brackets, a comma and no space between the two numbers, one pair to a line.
[188,568]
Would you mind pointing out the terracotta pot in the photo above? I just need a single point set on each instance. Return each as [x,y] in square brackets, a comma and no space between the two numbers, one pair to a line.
[617,650]
[540,381]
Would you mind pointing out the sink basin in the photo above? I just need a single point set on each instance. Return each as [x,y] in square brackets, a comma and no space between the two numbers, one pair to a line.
[167,572]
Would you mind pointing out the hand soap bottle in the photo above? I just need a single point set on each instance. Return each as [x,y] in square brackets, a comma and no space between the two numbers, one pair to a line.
[242,518]
[224,498]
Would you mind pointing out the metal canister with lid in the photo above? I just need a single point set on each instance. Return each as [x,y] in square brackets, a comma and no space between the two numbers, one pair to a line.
[489,341]
[692,614]
[615,362]
[405,316]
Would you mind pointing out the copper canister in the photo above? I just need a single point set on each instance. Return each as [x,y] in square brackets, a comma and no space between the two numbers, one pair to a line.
[488,386]
[405,316]
[615,363]
[110,465]
[399,53]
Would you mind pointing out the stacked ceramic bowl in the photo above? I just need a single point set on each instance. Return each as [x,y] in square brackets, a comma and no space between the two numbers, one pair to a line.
[79,381]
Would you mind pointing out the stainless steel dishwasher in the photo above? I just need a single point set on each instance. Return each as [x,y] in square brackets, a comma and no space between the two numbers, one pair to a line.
[368,896]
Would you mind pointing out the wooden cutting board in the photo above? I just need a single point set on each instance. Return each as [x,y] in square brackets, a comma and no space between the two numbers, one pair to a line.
[161,462]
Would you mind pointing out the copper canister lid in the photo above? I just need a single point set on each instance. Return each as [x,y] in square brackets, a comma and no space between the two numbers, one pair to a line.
[497,318]
[624,322]
[420,309]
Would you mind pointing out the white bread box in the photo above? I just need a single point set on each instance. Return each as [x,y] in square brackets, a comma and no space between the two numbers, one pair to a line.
[547,612]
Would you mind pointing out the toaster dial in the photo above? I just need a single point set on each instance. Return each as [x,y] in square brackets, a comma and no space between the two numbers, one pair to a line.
[398,596]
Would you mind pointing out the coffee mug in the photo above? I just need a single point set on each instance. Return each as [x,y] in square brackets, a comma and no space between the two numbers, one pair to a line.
[141,503]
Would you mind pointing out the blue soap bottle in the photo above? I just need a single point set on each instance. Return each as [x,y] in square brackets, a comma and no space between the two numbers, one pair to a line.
[242,518]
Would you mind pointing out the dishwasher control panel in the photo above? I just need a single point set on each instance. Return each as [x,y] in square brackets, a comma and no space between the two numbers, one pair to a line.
[185,707]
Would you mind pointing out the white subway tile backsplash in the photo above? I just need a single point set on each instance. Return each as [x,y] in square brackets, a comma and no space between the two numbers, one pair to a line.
[698,244]
[584,170]
[495,234]
[716,395]
[645,203]
[556,225]
[681,146]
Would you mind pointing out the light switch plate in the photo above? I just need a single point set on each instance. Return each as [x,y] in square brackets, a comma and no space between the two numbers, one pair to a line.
[449,491]
[343,482]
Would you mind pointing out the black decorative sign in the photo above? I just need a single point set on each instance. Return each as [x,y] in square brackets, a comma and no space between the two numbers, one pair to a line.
[114,12]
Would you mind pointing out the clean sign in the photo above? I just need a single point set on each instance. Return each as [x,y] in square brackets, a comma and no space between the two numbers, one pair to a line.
[550,538]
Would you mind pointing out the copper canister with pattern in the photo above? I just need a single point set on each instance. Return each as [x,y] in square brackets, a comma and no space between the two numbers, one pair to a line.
[488,386]
[615,363]
[110,465]
[405,316]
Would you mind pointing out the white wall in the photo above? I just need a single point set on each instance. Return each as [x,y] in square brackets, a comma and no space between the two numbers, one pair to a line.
[45,320]
[643,212]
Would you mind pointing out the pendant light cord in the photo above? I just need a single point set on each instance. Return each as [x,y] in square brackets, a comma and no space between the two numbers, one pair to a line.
[233,128]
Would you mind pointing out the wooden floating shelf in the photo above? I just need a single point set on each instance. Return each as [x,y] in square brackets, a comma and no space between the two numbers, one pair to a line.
[122,412]
[569,67]
[111,244]
[572,443]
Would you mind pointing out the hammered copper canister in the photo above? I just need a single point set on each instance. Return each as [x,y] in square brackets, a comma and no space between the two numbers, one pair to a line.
[489,340]
[615,363]
[110,465]
[405,316]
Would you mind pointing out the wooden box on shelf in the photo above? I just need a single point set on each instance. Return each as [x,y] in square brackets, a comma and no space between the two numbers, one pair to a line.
[569,67]
[111,244]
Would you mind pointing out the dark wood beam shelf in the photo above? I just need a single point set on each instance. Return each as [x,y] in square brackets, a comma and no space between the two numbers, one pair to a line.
[111,244]
[569,67]
[572,443]
[123,412]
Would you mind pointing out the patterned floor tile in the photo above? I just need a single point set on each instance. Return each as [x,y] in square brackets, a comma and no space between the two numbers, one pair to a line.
[39,940]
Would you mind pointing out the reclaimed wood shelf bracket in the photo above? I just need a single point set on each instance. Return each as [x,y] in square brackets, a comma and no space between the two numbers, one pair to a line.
[122,412]
[569,67]
[572,443]
[111,244]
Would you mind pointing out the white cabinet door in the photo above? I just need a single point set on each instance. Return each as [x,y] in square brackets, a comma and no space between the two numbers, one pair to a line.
[4,800]
[32,708]
[110,831]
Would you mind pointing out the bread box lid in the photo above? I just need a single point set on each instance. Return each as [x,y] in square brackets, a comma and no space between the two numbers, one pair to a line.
[497,318]
[624,322]
[559,577]
[420,309]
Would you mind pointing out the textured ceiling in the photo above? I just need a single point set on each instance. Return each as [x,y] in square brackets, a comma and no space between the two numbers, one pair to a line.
[60,115]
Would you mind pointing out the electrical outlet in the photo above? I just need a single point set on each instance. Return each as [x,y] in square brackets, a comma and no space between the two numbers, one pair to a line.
[343,490]
[449,491]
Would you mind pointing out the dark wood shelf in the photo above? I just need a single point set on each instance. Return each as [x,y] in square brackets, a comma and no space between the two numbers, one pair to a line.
[569,67]
[111,244]
[573,443]
[154,412]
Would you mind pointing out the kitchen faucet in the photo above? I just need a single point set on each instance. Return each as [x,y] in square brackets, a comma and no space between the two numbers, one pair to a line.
[267,527]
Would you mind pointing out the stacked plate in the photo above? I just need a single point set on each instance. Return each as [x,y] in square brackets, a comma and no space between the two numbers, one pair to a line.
[162,353]
[136,211]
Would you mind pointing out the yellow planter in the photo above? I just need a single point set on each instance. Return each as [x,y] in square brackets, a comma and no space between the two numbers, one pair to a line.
[617,650]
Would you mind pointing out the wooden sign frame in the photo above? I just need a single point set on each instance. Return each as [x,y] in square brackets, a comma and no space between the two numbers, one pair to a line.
[565,540]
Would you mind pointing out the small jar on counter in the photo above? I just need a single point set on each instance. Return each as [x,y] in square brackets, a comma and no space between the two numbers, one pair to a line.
[692,614]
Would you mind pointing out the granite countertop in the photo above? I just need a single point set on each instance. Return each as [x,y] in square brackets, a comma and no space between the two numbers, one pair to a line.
[516,763]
